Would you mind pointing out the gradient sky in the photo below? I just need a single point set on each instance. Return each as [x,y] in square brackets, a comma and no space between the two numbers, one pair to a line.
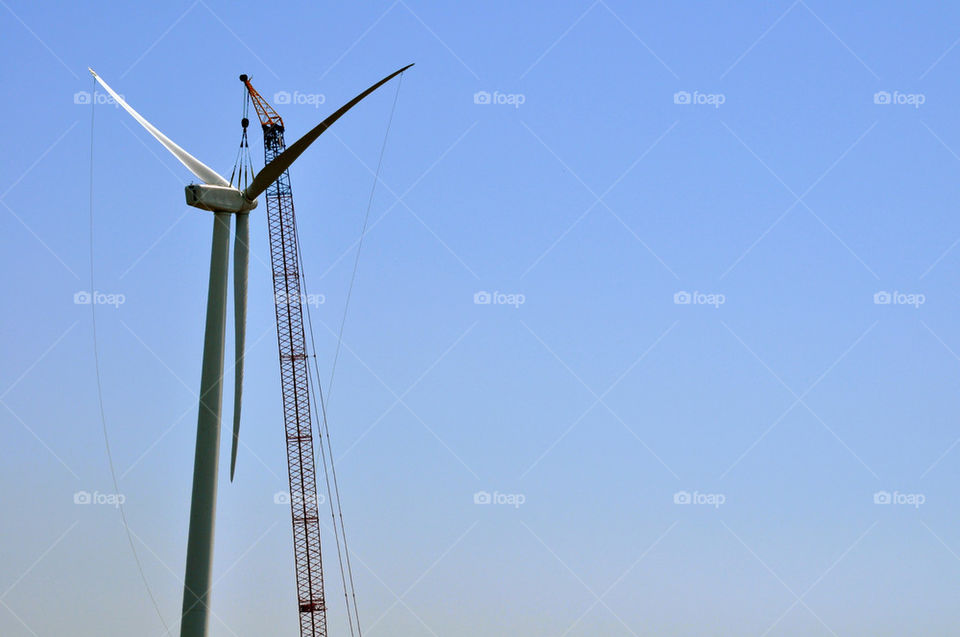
[783,193]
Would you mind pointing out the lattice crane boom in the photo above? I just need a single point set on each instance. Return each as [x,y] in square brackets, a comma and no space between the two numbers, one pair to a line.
[274,182]
[295,385]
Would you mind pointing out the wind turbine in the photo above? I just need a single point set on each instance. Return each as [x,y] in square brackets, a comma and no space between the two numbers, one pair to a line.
[218,196]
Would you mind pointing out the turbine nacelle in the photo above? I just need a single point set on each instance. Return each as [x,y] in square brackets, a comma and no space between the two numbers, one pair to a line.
[218,198]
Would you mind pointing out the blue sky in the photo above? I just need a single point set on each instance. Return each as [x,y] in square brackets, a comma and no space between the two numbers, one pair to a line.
[774,457]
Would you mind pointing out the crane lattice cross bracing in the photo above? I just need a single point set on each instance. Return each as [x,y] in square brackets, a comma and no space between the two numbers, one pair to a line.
[295,384]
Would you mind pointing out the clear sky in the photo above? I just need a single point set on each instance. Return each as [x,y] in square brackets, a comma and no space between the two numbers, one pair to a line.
[774,457]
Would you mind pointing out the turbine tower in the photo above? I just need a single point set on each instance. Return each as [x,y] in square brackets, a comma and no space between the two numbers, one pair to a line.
[218,196]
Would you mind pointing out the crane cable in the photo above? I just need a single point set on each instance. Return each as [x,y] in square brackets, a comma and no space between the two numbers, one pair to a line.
[363,233]
[243,161]
[103,417]
[326,427]
[312,378]
[323,422]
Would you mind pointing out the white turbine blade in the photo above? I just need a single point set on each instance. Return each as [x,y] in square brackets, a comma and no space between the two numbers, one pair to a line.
[194,165]
[241,263]
[280,163]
